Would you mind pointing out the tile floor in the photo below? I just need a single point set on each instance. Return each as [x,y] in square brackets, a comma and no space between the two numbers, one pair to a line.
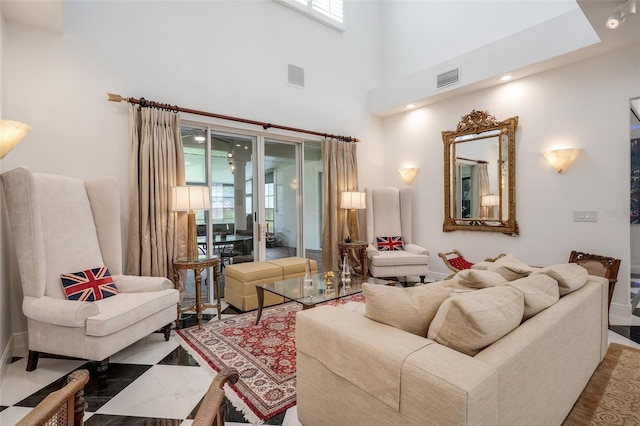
[153,382]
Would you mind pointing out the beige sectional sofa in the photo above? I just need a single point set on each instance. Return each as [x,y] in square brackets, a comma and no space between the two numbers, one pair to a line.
[352,369]
[240,280]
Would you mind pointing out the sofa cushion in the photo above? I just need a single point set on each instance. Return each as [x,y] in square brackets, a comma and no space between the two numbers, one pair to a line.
[570,276]
[390,243]
[397,258]
[476,278]
[88,285]
[469,322]
[410,309]
[510,267]
[540,291]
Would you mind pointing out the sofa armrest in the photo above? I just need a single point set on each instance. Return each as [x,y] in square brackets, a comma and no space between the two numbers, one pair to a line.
[136,284]
[61,312]
[394,367]
[416,249]
[338,337]
[372,250]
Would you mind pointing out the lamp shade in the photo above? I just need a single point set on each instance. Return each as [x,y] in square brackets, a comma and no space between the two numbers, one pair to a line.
[408,174]
[353,200]
[11,132]
[490,200]
[561,159]
[186,198]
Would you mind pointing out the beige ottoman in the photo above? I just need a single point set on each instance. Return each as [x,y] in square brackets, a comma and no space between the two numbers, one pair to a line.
[240,284]
[293,267]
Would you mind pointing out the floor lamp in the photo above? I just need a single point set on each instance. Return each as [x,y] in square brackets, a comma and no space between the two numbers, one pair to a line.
[352,201]
[188,199]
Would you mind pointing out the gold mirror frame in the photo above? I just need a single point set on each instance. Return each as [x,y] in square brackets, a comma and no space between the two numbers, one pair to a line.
[476,126]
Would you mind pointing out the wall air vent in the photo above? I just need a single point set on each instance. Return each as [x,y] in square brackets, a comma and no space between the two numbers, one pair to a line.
[447,78]
[296,76]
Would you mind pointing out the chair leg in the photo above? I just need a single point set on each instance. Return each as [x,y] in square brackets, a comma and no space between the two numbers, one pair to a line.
[101,369]
[32,361]
[422,277]
[167,332]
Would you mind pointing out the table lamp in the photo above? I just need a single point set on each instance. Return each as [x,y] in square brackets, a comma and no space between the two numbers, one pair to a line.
[489,202]
[352,201]
[188,199]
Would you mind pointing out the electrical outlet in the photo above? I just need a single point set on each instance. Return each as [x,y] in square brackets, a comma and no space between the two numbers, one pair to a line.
[585,216]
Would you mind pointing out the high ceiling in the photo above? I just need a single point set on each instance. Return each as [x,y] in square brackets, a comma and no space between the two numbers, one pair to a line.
[391,97]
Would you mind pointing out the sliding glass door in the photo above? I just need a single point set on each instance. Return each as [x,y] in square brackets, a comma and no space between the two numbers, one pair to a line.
[259,186]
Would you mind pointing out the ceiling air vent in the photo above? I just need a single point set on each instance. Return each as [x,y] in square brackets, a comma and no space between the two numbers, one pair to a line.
[296,76]
[447,78]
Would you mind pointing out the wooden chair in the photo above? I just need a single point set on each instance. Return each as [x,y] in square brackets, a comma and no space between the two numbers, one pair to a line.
[63,407]
[601,266]
[211,411]
[455,261]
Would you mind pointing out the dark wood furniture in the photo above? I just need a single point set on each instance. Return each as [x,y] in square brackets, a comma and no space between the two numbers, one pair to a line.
[356,250]
[601,266]
[212,407]
[197,266]
[65,406]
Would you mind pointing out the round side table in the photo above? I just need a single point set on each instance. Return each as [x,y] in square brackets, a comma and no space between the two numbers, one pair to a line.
[197,266]
[357,250]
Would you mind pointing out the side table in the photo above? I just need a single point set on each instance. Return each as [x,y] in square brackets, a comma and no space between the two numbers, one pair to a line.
[197,266]
[359,250]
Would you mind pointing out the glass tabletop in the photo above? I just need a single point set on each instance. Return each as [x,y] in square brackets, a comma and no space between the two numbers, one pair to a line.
[318,292]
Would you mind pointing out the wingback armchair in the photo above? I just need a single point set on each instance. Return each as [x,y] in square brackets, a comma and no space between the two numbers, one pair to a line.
[61,225]
[391,252]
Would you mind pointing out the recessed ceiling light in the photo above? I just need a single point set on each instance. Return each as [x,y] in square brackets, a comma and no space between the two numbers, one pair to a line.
[410,106]
[506,77]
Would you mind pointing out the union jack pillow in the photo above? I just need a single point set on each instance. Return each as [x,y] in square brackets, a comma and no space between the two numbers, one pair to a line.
[89,285]
[390,243]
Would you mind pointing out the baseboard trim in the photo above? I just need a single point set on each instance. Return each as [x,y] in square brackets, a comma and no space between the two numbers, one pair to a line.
[7,354]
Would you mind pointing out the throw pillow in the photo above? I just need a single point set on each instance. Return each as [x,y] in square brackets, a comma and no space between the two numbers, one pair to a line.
[472,321]
[410,309]
[477,278]
[570,276]
[510,267]
[390,243]
[89,285]
[540,291]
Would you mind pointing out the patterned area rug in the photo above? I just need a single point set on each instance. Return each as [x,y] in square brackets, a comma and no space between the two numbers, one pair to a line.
[612,396]
[263,354]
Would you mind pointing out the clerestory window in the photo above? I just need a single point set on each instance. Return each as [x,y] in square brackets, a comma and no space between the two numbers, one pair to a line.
[326,11]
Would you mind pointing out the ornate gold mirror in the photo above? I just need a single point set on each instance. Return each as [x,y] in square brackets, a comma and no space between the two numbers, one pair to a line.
[480,174]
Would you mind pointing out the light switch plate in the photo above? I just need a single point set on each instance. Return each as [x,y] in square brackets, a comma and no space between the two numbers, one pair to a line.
[585,216]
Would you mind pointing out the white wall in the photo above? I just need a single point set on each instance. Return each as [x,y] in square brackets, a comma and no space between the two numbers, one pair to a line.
[584,105]
[228,57]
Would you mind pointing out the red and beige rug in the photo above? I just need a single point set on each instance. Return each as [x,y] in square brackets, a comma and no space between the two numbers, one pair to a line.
[263,354]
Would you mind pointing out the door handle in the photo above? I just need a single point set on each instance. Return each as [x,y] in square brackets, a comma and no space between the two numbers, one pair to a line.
[259,232]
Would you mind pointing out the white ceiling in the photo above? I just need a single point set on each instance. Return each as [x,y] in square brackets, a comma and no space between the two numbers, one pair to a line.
[391,98]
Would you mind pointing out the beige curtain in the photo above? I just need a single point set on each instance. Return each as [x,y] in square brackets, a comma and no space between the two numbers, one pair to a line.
[340,174]
[156,164]
[483,188]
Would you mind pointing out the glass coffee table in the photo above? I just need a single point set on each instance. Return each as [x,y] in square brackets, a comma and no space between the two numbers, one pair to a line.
[294,290]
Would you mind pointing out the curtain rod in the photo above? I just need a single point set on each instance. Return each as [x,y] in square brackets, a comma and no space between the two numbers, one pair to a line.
[475,161]
[145,103]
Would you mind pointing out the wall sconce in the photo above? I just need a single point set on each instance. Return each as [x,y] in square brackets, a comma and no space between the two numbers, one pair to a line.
[352,201]
[188,199]
[408,174]
[11,133]
[561,159]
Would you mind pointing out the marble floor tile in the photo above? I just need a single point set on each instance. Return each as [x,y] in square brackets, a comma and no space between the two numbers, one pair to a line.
[148,350]
[164,391]
[19,384]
